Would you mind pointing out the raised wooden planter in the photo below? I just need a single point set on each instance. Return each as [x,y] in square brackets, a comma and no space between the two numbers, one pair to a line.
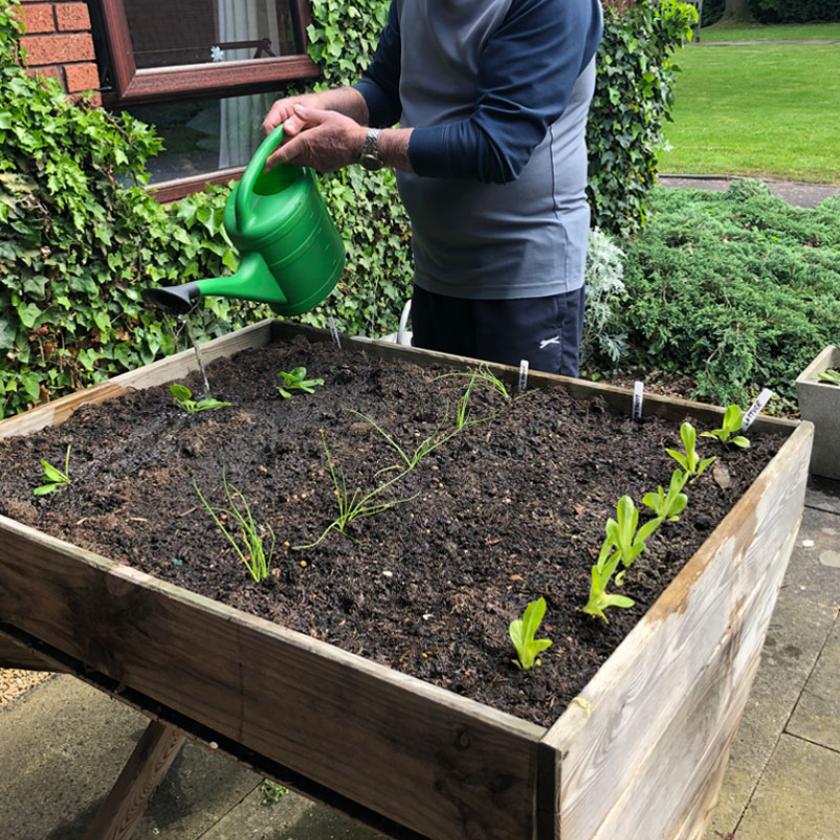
[639,754]
[819,403]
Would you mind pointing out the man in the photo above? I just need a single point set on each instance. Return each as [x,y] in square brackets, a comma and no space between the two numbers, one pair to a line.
[492,98]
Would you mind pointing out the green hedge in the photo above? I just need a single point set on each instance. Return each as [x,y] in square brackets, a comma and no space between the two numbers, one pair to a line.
[76,247]
[795,11]
[736,291]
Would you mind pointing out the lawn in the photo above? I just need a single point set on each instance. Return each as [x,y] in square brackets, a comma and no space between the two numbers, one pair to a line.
[759,32]
[759,109]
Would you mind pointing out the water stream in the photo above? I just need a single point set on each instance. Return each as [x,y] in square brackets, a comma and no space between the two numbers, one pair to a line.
[194,343]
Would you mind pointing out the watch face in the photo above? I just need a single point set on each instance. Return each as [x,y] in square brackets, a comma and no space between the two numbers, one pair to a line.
[371,162]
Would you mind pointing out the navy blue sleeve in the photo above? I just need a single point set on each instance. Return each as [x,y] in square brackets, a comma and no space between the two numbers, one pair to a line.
[528,69]
[380,83]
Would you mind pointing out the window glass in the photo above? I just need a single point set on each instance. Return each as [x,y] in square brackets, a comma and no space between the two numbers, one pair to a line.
[203,135]
[169,33]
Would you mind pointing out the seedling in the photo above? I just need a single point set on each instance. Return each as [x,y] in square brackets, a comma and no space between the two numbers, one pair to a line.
[296,380]
[689,460]
[622,533]
[522,633]
[252,551]
[183,398]
[599,599]
[425,447]
[272,792]
[463,410]
[481,374]
[54,478]
[356,504]
[832,377]
[733,419]
[668,506]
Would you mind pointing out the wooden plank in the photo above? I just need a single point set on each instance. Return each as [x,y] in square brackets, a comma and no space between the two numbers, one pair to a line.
[442,765]
[149,763]
[22,658]
[612,735]
[166,370]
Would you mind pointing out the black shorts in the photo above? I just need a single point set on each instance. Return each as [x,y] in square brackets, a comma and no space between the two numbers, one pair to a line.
[546,331]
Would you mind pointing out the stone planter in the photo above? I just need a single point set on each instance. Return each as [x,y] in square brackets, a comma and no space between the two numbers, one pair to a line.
[819,402]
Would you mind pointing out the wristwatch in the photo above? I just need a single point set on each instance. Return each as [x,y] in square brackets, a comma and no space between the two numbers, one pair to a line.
[370,157]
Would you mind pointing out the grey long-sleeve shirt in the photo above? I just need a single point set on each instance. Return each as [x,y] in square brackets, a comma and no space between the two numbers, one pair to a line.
[498,94]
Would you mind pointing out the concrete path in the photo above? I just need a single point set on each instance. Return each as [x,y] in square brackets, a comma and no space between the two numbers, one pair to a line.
[63,744]
[795,192]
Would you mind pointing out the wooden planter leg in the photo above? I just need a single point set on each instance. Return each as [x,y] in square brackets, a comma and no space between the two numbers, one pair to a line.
[152,757]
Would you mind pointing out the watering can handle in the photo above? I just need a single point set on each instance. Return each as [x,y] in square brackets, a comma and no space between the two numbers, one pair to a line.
[254,170]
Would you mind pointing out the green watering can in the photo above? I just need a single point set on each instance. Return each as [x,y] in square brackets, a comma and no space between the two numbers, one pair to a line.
[292,255]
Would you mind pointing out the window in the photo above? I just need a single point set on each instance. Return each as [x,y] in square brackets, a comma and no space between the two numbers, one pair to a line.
[161,49]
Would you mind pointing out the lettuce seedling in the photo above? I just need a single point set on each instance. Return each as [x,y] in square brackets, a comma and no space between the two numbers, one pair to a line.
[54,478]
[182,397]
[522,633]
[668,506]
[733,419]
[252,553]
[623,534]
[832,377]
[689,460]
[599,599]
[296,380]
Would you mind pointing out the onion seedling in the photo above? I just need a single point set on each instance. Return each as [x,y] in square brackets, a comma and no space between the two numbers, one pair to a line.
[599,599]
[183,398]
[295,380]
[689,460]
[832,377]
[668,506]
[522,633]
[733,419]
[54,478]
[481,374]
[252,553]
[356,504]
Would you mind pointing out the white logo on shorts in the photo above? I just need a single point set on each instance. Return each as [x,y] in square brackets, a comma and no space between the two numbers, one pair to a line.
[545,342]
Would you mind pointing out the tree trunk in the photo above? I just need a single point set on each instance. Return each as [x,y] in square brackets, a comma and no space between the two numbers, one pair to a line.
[738,10]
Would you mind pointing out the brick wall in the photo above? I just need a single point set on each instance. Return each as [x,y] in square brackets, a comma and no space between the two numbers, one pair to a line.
[58,43]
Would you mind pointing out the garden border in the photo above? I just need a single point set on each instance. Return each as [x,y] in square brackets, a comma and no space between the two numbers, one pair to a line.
[643,746]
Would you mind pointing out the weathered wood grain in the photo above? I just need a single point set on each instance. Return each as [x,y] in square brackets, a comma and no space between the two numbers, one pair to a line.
[680,679]
[445,766]
[13,655]
[145,770]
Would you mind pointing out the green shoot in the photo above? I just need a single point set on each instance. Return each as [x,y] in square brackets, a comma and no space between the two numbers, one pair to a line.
[622,532]
[522,633]
[733,419]
[54,478]
[599,599]
[296,380]
[689,460]
[832,377]
[182,397]
[356,504]
[272,792]
[668,506]
[481,374]
[463,409]
[252,552]
[425,447]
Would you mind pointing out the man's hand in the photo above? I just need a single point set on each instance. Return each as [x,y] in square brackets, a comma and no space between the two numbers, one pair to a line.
[282,109]
[324,140]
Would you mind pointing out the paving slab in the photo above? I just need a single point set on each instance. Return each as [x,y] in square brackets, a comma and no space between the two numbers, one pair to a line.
[797,798]
[817,714]
[63,746]
[814,570]
[796,635]
[824,494]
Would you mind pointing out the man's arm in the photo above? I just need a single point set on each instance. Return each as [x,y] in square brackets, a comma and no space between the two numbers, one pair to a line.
[528,70]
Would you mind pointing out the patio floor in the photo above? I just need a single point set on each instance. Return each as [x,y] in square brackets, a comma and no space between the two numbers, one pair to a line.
[63,744]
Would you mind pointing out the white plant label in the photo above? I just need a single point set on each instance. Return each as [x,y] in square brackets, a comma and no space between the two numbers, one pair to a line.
[334,332]
[756,408]
[638,399]
[523,375]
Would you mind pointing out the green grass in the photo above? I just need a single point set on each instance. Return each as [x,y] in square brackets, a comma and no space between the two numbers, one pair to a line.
[759,32]
[761,110]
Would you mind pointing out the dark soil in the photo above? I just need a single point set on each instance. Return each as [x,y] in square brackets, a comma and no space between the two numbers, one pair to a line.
[507,511]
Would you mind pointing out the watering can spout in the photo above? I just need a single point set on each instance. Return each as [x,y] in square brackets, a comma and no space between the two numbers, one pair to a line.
[178,300]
